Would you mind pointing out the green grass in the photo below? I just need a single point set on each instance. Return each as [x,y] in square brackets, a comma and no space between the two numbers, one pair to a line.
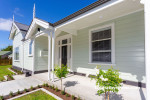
[4,71]
[38,95]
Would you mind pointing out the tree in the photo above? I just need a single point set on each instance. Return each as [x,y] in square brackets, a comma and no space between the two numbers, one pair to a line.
[108,81]
[8,48]
[60,72]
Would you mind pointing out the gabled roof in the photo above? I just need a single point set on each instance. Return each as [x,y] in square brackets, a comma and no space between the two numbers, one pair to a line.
[22,27]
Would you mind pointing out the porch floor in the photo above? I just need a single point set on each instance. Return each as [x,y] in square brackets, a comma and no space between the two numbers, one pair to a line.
[86,89]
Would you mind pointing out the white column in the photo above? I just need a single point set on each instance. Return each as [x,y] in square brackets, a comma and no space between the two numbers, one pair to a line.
[49,55]
[147,47]
[53,53]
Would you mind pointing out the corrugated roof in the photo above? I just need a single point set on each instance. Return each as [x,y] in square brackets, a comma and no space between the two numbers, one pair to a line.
[22,27]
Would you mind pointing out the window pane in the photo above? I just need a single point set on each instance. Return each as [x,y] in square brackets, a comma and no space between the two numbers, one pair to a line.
[101,35]
[101,57]
[101,45]
[64,41]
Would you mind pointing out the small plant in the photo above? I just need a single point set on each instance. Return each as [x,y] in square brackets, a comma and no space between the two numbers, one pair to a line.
[11,94]
[53,87]
[60,72]
[1,80]
[63,92]
[56,89]
[67,95]
[73,97]
[79,98]
[31,87]
[25,90]
[50,87]
[108,81]
[18,92]
[43,84]
[46,85]
[1,98]
[38,86]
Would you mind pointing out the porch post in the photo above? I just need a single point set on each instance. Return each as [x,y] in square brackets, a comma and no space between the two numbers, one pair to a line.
[53,53]
[147,46]
[49,54]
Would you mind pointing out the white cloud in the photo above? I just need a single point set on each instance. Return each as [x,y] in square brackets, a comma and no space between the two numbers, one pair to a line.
[5,24]
[16,11]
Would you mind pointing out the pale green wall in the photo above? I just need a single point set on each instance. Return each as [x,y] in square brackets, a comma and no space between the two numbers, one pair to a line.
[129,46]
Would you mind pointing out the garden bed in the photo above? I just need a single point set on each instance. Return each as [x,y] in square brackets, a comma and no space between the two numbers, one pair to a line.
[51,89]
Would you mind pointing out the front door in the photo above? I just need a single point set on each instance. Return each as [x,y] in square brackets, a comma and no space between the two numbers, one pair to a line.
[64,55]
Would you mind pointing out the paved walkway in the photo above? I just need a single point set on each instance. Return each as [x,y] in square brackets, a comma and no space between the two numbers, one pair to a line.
[21,84]
[85,88]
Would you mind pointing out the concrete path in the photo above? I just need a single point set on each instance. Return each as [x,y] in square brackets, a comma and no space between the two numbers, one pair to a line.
[85,88]
[21,84]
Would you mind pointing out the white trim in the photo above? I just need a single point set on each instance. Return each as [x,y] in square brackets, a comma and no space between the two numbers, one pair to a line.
[112,44]
[69,60]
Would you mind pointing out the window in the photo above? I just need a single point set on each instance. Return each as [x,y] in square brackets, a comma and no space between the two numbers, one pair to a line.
[30,47]
[101,45]
[16,56]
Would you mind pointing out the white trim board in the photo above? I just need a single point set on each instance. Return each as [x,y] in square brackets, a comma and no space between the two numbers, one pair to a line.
[112,25]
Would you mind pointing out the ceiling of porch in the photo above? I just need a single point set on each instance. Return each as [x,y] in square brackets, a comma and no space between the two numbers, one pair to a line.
[121,8]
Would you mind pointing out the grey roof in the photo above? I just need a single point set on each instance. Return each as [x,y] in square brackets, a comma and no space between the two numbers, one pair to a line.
[22,27]
[4,52]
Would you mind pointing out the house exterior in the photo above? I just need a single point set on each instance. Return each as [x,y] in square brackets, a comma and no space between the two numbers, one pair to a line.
[5,54]
[106,33]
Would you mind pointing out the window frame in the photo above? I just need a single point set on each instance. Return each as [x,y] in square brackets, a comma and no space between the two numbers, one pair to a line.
[15,54]
[112,44]
[31,41]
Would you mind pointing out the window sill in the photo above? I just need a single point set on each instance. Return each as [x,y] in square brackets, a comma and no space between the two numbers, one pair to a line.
[109,64]
[30,55]
[16,60]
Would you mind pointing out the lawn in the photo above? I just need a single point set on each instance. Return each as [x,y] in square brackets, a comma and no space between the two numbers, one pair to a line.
[4,71]
[38,95]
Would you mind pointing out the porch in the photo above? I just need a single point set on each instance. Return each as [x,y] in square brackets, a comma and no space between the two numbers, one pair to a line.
[86,89]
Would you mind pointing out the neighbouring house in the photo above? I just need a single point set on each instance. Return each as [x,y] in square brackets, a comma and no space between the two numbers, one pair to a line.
[105,33]
[5,54]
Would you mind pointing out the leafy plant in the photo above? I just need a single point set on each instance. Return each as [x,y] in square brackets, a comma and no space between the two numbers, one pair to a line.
[108,81]
[31,87]
[1,98]
[73,97]
[67,95]
[60,72]
[63,92]
[56,89]
[46,85]
[50,87]
[38,86]
[53,87]
[78,98]
[25,90]
[11,93]
[43,84]
[18,92]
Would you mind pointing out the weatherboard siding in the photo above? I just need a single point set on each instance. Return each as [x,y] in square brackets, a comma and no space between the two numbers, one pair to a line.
[129,48]
[41,63]
[18,43]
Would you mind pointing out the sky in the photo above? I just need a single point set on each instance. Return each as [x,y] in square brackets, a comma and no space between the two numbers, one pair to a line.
[49,10]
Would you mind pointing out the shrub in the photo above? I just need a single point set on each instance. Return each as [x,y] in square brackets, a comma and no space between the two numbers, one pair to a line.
[46,85]
[38,86]
[56,89]
[67,95]
[53,87]
[25,90]
[50,87]
[108,81]
[1,98]
[18,92]
[73,97]
[31,87]
[11,93]
[1,79]
[60,72]
[79,98]
[63,92]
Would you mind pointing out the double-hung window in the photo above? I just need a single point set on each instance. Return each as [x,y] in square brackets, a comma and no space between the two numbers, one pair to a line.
[31,48]
[101,45]
[16,53]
